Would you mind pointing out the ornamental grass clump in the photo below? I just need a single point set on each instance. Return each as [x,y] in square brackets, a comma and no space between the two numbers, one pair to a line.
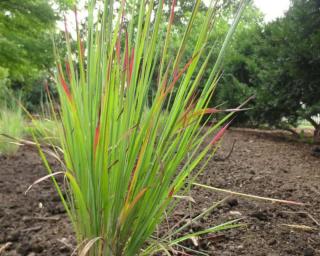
[128,154]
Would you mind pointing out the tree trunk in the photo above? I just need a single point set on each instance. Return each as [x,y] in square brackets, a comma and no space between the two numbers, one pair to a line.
[316,134]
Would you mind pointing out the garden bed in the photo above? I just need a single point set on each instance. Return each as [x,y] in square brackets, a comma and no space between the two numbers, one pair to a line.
[260,164]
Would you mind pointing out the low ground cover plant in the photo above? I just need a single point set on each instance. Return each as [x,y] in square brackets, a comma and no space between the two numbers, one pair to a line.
[12,126]
[45,129]
[16,128]
[126,154]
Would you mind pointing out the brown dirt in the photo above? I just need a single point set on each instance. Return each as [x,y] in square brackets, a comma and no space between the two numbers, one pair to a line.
[261,164]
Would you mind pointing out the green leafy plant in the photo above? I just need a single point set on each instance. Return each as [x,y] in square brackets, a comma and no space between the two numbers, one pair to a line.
[126,156]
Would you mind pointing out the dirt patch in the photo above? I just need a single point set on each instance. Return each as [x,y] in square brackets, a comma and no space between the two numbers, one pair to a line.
[36,223]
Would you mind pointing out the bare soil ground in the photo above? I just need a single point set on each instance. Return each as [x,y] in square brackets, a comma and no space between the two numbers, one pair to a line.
[261,164]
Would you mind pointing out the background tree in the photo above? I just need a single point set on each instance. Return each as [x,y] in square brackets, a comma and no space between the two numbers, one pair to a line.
[292,58]
[279,63]
[298,81]
[26,32]
[238,81]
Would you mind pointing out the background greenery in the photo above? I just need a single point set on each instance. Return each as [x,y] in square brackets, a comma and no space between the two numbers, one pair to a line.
[277,62]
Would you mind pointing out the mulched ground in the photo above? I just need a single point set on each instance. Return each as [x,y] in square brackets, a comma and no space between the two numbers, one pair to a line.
[261,164]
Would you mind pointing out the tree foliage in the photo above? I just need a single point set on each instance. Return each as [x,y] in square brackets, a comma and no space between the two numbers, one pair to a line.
[26,32]
[25,36]
[278,63]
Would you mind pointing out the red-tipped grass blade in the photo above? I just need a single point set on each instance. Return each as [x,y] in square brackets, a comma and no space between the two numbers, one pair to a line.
[174,2]
[131,66]
[65,87]
[219,135]
[96,138]
[177,76]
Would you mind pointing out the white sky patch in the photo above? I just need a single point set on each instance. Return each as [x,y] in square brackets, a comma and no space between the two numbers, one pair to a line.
[272,9]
